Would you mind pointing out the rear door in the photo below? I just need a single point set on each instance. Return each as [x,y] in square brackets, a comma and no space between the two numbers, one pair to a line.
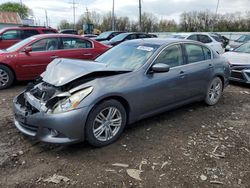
[9,38]
[77,48]
[35,62]
[199,67]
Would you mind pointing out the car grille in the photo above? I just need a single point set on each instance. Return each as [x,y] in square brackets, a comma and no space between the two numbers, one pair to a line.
[237,74]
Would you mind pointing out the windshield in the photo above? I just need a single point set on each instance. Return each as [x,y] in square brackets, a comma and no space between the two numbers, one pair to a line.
[119,37]
[19,44]
[244,48]
[243,38]
[104,35]
[128,56]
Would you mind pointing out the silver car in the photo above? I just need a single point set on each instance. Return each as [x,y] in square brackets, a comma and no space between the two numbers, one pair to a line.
[78,100]
[239,59]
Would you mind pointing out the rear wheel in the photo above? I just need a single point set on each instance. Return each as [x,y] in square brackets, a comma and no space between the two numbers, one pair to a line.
[214,91]
[105,123]
[6,77]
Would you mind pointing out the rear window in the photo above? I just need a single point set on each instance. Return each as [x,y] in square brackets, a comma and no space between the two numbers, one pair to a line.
[29,32]
[194,53]
[48,31]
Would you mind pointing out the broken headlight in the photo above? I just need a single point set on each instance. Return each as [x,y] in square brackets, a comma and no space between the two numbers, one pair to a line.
[71,102]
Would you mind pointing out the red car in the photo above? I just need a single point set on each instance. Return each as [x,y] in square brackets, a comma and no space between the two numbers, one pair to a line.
[12,35]
[29,58]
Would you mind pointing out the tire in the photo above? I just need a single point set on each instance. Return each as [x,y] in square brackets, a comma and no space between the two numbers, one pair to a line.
[102,129]
[214,91]
[6,77]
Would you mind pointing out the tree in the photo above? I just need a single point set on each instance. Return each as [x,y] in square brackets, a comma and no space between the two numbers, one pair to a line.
[22,10]
[64,24]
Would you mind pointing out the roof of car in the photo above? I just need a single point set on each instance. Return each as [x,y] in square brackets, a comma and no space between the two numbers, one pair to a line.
[157,41]
[188,33]
[56,35]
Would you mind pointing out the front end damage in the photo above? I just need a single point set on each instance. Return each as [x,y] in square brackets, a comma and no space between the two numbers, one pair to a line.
[35,116]
[240,73]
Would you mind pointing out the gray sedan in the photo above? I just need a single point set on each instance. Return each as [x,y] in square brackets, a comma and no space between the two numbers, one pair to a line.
[78,100]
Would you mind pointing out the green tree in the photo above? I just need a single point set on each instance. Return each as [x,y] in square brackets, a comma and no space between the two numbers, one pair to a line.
[22,10]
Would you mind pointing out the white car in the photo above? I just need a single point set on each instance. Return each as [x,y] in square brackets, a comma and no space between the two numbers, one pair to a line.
[239,59]
[205,38]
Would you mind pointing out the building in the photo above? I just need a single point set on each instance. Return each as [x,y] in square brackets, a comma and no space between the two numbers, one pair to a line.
[9,19]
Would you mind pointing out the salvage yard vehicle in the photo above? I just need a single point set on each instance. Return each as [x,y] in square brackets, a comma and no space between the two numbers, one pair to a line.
[108,35]
[12,35]
[29,58]
[127,36]
[206,38]
[236,43]
[80,100]
[239,59]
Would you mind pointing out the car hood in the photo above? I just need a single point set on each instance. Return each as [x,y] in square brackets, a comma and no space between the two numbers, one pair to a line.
[236,58]
[63,71]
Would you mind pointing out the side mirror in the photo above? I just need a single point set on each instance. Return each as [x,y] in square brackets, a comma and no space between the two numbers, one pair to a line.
[160,67]
[27,49]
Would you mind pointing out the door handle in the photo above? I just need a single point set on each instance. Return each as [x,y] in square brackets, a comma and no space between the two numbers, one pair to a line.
[182,74]
[53,57]
[88,54]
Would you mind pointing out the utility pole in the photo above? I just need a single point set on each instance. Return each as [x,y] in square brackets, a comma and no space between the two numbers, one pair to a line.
[46,17]
[216,12]
[113,16]
[74,13]
[140,26]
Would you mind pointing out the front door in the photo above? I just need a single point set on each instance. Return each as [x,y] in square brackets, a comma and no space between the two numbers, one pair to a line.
[43,51]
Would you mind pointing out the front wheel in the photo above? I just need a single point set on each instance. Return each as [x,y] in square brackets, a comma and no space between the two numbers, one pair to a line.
[214,91]
[105,123]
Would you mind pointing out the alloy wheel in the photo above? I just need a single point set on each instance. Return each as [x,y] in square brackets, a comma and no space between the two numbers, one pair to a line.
[107,124]
[215,91]
[4,78]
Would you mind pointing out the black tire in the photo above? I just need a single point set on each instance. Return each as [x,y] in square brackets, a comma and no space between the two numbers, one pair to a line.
[6,77]
[91,122]
[213,94]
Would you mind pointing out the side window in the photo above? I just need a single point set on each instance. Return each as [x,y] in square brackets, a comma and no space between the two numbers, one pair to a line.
[193,37]
[29,33]
[75,43]
[11,35]
[204,39]
[130,37]
[141,36]
[207,53]
[48,44]
[171,56]
[48,31]
[194,53]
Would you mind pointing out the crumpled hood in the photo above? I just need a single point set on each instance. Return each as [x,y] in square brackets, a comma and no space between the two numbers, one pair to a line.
[63,71]
[236,58]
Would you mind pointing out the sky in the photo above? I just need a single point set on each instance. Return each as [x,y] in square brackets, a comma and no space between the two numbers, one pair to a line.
[58,10]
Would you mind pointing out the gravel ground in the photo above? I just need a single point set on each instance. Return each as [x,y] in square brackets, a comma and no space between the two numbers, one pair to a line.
[193,146]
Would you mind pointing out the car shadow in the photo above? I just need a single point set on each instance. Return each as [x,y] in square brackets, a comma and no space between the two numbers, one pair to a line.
[240,84]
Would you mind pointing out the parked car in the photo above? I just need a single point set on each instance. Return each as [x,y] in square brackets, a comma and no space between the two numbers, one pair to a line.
[28,59]
[93,36]
[127,36]
[205,38]
[81,100]
[220,38]
[239,59]
[236,43]
[12,35]
[69,31]
[108,35]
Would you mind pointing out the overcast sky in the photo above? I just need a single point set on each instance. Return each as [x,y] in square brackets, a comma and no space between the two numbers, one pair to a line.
[171,9]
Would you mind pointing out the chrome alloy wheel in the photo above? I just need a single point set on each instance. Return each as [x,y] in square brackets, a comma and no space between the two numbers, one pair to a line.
[107,124]
[215,91]
[4,78]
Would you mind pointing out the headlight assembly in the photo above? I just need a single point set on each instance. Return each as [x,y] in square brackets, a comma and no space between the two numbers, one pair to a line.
[71,102]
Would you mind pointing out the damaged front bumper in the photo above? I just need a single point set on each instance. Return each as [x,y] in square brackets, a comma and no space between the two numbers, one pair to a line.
[240,74]
[64,128]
